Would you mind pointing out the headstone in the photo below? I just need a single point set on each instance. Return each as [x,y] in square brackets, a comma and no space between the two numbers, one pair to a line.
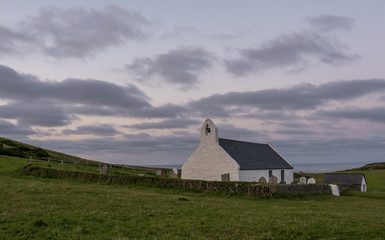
[164,173]
[175,170]
[158,172]
[62,162]
[273,179]
[141,174]
[262,180]
[103,170]
[49,160]
[335,190]
[171,174]
[30,159]
[302,180]
[311,181]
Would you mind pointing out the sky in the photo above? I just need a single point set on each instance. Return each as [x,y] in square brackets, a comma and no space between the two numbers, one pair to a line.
[132,82]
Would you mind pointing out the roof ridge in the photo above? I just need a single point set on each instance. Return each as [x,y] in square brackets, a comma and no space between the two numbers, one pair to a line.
[242,141]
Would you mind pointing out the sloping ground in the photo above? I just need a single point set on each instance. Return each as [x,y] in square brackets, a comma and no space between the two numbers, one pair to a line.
[9,147]
[44,208]
[372,166]
[14,148]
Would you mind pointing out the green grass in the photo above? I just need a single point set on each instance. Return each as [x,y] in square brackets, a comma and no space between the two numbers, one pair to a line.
[40,208]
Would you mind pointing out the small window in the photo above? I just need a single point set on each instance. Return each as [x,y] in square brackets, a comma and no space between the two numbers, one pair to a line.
[208,131]
[282,175]
[225,177]
[270,173]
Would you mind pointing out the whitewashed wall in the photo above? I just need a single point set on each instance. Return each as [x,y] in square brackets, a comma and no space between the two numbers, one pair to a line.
[209,161]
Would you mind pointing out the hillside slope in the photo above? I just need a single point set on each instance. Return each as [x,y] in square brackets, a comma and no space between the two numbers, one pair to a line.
[14,148]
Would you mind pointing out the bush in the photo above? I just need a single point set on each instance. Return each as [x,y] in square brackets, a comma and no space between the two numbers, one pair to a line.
[41,153]
[12,152]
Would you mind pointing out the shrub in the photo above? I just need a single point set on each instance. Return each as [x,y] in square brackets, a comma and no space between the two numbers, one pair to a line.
[41,153]
[12,152]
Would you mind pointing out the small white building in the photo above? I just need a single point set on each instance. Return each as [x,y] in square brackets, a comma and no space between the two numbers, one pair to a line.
[357,179]
[218,159]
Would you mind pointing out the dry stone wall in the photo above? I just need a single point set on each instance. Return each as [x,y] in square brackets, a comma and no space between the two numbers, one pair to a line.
[204,186]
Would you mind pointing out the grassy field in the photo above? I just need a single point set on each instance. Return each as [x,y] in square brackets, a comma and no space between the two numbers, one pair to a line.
[39,208]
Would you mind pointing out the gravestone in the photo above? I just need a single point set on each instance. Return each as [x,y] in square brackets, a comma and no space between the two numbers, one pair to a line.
[273,179]
[103,170]
[62,162]
[141,174]
[311,181]
[164,173]
[172,174]
[302,180]
[158,172]
[262,180]
[335,190]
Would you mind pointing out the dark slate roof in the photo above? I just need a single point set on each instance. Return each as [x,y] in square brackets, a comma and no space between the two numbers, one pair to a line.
[349,178]
[252,156]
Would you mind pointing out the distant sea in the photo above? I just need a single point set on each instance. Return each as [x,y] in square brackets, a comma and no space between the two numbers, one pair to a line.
[299,167]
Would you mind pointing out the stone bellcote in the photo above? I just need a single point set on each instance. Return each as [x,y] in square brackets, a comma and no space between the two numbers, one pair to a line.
[209,132]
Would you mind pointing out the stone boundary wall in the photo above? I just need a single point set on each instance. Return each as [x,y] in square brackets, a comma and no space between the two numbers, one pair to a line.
[204,186]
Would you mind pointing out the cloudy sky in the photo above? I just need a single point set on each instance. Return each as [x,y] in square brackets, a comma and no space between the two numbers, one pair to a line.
[132,81]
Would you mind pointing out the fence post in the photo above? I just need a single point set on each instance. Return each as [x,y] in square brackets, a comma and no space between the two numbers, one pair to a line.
[30,159]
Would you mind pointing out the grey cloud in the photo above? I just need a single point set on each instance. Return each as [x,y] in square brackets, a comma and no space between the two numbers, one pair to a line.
[10,129]
[336,150]
[164,111]
[16,86]
[36,114]
[239,133]
[53,103]
[180,66]
[298,97]
[292,132]
[166,124]
[291,51]
[328,23]
[130,144]
[376,114]
[77,32]
[12,42]
[96,130]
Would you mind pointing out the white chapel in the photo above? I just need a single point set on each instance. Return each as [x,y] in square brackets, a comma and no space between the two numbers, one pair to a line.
[218,159]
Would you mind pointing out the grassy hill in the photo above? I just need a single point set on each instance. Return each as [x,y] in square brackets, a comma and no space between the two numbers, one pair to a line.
[14,148]
[44,208]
